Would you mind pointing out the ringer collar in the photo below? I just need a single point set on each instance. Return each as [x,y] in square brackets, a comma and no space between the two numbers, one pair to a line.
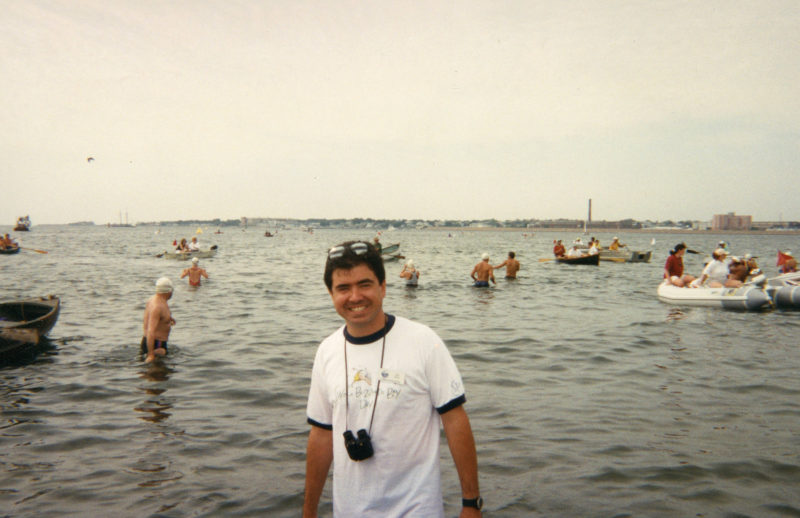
[374,337]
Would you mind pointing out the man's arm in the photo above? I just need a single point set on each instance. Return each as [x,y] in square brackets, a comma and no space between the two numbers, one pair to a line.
[473,273]
[152,324]
[319,455]
[501,264]
[462,448]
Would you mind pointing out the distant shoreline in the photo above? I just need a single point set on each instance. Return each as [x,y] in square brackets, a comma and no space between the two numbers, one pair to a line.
[618,231]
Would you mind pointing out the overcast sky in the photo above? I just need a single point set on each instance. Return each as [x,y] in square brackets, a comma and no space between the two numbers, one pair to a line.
[462,109]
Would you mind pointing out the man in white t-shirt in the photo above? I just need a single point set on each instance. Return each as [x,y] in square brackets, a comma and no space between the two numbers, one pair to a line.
[380,387]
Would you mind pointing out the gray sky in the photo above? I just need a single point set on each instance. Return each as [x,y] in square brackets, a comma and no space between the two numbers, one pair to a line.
[403,109]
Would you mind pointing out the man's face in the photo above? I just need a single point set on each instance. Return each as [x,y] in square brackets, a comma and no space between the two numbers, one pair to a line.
[358,298]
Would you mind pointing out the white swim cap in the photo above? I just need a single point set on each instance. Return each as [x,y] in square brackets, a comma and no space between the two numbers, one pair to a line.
[485,256]
[720,251]
[164,285]
[195,260]
[410,264]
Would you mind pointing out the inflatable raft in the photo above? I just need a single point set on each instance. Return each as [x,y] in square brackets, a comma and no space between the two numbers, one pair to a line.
[784,290]
[750,297]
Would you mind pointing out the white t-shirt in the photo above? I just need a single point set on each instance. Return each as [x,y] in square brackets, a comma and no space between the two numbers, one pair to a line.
[419,379]
[716,271]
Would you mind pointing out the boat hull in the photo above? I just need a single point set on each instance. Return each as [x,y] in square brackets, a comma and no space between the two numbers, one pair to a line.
[586,259]
[40,314]
[784,291]
[746,298]
[9,251]
[627,256]
[185,256]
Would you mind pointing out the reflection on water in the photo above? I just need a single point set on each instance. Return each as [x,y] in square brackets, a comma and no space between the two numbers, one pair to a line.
[156,372]
[579,381]
[675,314]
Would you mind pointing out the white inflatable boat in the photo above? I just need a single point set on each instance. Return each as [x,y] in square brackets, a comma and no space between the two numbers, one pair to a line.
[750,297]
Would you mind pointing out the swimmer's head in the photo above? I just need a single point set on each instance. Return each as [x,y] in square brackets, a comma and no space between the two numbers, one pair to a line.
[485,256]
[164,285]
[195,260]
[410,264]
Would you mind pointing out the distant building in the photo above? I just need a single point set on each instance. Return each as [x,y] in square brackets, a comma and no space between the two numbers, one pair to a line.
[731,221]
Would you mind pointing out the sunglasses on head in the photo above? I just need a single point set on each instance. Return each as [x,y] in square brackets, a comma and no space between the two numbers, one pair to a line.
[359,248]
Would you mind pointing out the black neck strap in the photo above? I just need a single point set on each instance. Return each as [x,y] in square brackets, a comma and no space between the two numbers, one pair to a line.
[382,333]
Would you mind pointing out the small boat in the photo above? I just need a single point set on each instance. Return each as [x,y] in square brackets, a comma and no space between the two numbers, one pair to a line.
[625,256]
[390,249]
[390,253]
[23,224]
[11,250]
[39,314]
[584,259]
[784,290]
[750,297]
[185,256]
[15,343]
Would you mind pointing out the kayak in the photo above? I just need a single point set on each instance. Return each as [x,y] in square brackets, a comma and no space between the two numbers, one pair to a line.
[626,256]
[12,250]
[749,297]
[584,259]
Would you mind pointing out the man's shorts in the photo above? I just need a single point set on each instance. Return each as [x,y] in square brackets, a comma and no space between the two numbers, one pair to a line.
[157,344]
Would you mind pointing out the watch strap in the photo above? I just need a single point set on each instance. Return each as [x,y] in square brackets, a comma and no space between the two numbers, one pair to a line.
[477,503]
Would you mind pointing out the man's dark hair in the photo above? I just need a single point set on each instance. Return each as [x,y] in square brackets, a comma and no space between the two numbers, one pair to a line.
[511,255]
[349,260]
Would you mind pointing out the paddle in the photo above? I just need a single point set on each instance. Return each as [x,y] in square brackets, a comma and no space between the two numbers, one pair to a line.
[34,250]
[545,259]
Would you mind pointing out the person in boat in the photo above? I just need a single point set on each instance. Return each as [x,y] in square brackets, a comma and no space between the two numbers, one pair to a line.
[182,246]
[558,249]
[716,272]
[482,273]
[786,262]
[7,242]
[738,272]
[377,244]
[194,246]
[410,273]
[673,268]
[615,244]
[195,273]
[594,249]
[404,400]
[158,321]
[574,252]
[511,264]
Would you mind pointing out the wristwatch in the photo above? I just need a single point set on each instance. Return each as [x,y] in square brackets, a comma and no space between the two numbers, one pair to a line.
[477,503]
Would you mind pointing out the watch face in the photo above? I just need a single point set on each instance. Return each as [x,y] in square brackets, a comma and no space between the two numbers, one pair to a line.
[480,502]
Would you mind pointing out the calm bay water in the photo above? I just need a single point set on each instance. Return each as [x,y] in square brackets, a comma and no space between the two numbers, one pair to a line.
[588,396]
